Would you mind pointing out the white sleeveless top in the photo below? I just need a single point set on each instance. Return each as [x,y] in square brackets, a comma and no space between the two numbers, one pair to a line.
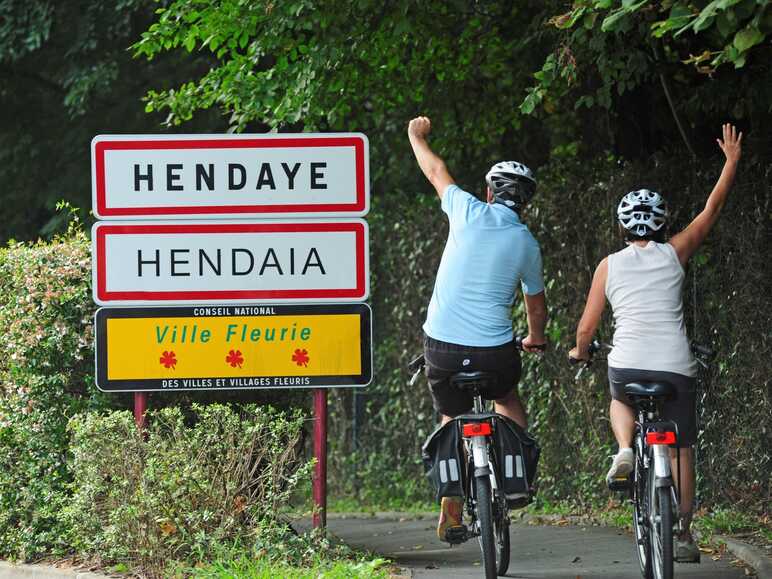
[644,289]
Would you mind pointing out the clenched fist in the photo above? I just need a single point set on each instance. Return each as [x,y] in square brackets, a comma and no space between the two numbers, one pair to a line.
[419,127]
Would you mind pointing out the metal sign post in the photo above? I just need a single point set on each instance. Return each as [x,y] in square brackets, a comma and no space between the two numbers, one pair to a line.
[320,454]
[140,407]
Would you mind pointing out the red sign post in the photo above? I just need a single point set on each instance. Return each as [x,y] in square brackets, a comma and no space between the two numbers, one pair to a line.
[320,454]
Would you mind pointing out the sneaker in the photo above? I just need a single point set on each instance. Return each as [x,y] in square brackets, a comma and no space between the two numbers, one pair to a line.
[622,465]
[450,528]
[686,550]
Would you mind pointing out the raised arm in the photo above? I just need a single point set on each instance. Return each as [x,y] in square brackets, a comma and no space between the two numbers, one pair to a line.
[596,301]
[687,241]
[431,164]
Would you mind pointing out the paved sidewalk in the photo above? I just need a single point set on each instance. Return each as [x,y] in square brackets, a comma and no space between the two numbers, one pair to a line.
[554,552]
[13,571]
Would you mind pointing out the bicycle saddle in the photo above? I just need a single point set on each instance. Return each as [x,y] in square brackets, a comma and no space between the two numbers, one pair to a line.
[472,380]
[655,389]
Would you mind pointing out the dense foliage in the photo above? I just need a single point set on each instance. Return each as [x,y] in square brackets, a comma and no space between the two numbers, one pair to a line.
[726,303]
[194,485]
[65,76]
[47,377]
[46,364]
[609,49]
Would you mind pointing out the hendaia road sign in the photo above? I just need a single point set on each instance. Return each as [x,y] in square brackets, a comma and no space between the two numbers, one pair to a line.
[178,262]
[233,347]
[205,176]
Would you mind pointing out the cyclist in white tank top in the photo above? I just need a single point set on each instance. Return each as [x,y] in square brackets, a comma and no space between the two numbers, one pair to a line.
[643,284]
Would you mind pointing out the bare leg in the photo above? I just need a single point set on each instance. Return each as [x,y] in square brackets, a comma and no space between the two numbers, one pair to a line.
[622,423]
[511,407]
[686,490]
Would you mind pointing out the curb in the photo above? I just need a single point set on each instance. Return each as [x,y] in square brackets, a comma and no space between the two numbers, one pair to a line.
[749,554]
[24,571]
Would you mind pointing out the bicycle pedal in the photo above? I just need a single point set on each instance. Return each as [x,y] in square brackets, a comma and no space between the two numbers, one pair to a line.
[618,484]
[457,535]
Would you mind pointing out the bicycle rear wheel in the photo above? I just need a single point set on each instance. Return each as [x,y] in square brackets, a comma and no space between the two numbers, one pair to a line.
[641,518]
[485,520]
[502,538]
[661,528]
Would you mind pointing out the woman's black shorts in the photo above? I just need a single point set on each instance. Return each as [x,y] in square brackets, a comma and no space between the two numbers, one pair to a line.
[681,409]
[444,359]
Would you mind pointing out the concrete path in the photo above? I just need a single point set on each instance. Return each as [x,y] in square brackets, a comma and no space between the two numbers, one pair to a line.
[554,552]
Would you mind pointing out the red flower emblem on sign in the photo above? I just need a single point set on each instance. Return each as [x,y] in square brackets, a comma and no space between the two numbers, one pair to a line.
[169,360]
[234,358]
[300,357]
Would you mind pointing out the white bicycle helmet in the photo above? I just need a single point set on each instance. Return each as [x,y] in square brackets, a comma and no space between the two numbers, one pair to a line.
[511,183]
[642,212]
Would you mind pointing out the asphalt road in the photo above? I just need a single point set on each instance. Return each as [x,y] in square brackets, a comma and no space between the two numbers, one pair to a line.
[554,552]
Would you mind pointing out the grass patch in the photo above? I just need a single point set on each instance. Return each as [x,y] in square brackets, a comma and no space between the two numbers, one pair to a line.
[722,521]
[393,504]
[309,555]
[265,569]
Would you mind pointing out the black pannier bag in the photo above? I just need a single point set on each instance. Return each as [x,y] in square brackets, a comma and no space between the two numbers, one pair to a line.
[515,452]
[443,460]
[517,456]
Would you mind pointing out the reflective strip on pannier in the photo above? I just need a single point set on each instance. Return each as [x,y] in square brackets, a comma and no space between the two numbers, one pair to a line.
[442,457]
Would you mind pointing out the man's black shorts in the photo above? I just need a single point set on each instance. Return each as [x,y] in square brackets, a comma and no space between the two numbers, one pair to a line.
[681,409]
[444,359]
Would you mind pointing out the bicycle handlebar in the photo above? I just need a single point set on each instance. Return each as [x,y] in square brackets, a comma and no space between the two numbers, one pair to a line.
[703,354]
[519,345]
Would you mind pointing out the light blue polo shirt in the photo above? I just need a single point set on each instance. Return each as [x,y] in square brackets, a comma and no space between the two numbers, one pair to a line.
[488,252]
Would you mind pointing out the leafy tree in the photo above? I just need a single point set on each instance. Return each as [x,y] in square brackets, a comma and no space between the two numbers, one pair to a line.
[692,60]
[65,76]
[369,66]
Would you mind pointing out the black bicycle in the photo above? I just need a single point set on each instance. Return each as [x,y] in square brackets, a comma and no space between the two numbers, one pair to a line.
[650,485]
[487,504]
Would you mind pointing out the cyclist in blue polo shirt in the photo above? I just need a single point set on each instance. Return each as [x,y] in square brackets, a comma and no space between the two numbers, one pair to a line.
[489,253]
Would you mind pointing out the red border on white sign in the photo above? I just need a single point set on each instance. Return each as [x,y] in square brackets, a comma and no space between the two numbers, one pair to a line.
[358,207]
[105,297]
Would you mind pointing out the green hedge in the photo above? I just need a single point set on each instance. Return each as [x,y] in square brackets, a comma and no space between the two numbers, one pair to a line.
[46,378]
[726,302]
[196,484]
[46,368]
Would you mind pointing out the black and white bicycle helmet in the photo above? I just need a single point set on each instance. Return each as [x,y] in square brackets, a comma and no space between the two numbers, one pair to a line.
[511,183]
[642,212]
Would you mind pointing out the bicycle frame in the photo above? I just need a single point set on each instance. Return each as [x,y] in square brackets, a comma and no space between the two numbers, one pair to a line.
[477,445]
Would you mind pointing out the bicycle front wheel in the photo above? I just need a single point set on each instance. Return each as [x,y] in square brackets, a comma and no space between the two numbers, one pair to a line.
[482,488]
[661,529]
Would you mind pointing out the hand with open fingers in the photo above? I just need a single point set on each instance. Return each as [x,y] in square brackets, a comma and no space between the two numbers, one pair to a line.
[419,127]
[534,346]
[575,354]
[732,143]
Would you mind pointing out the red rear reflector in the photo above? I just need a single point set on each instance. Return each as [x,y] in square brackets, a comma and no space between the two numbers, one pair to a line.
[660,438]
[477,429]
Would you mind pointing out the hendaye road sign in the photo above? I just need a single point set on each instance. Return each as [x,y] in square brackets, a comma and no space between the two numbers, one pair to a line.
[204,176]
[151,263]
[233,347]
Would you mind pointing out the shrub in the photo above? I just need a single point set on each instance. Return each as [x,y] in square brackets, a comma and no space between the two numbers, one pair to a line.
[46,368]
[193,484]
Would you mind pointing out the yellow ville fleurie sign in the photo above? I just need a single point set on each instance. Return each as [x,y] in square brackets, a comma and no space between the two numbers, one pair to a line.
[232,347]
